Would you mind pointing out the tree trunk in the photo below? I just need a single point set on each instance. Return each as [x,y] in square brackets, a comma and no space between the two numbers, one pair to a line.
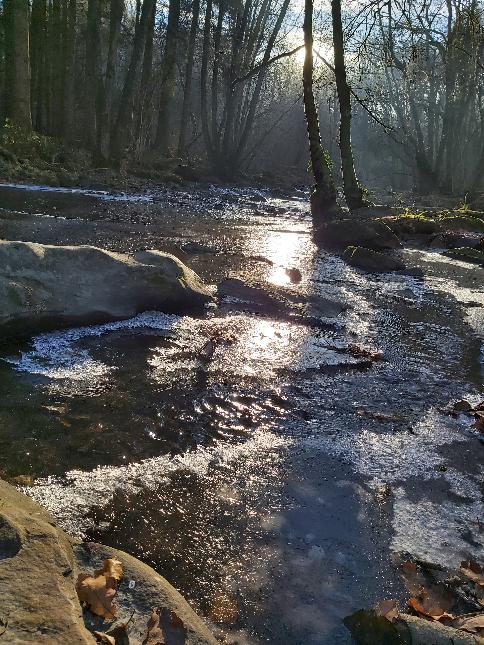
[56,65]
[353,191]
[93,72]
[106,90]
[204,82]
[18,81]
[323,198]
[38,51]
[168,77]
[187,91]
[122,132]
[69,78]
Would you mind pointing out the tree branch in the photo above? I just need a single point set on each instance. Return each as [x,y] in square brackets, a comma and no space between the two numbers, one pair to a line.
[255,70]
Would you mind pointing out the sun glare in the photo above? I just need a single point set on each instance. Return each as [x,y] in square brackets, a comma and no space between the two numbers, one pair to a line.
[325,52]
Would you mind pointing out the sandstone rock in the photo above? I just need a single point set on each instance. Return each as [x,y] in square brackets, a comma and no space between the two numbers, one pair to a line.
[42,286]
[37,575]
[372,261]
[339,234]
[39,565]
[150,590]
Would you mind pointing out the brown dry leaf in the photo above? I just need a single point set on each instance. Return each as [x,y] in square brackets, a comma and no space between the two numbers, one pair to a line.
[427,600]
[427,608]
[473,623]
[387,609]
[473,570]
[360,352]
[112,568]
[98,591]
[154,633]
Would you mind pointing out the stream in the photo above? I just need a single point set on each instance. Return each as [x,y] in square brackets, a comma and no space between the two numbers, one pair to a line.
[274,483]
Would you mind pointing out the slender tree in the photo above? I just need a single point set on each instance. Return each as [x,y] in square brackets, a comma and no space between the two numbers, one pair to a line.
[168,77]
[353,191]
[187,90]
[18,58]
[323,197]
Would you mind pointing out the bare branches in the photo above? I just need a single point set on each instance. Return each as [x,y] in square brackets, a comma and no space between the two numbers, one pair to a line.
[255,70]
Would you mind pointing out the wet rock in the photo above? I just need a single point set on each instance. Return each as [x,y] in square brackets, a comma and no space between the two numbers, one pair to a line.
[254,298]
[372,261]
[474,256]
[42,286]
[198,248]
[457,240]
[148,590]
[37,574]
[294,275]
[39,565]
[372,234]
[407,226]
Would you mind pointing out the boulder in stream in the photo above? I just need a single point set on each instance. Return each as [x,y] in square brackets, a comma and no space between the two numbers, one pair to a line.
[43,286]
[369,260]
[39,565]
[372,234]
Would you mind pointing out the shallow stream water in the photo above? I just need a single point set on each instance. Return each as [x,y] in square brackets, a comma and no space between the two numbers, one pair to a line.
[273,482]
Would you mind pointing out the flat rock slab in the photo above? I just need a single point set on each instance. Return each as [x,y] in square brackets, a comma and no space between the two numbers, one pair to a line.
[373,261]
[43,286]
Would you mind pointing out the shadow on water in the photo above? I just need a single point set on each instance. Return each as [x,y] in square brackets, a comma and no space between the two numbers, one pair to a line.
[271,477]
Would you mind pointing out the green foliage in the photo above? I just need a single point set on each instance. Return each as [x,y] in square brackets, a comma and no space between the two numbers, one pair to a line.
[29,144]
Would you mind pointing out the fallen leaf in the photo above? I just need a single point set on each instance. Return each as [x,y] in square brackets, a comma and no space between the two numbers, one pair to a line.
[427,608]
[473,570]
[365,353]
[98,591]
[154,633]
[473,623]
[387,609]
[427,600]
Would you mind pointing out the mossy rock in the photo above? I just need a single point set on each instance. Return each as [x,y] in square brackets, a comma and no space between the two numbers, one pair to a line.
[463,223]
[467,255]
[413,224]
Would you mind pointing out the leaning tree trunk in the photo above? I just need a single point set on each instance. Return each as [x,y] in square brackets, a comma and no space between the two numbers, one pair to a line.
[18,106]
[187,91]
[168,77]
[354,193]
[323,198]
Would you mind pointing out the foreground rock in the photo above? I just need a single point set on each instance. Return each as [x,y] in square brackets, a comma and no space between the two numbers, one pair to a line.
[369,260]
[39,565]
[42,286]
